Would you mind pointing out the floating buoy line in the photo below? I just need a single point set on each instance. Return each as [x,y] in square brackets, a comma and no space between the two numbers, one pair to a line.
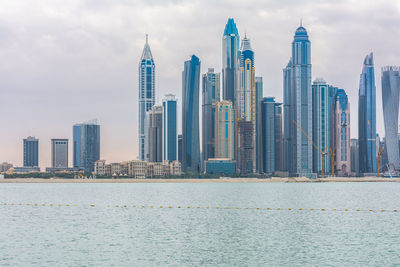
[193,207]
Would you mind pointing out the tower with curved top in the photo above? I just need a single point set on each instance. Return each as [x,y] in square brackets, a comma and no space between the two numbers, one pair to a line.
[230,53]
[298,106]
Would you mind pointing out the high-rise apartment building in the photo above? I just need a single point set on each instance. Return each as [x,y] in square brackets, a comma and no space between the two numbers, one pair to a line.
[170,128]
[259,96]
[279,160]
[342,133]
[155,123]
[59,153]
[190,116]
[354,161]
[146,93]
[246,94]
[390,104]
[230,68]
[367,117]
[211,95]
[224,130]
[298,106]
[31,152]
[86,145]
[321,125]
[267,140]
[245,152]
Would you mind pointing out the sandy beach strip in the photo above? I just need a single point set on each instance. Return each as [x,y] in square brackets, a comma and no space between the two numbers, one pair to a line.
[223,180]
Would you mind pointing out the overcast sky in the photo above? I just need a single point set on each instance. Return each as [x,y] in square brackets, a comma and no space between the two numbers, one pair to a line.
[64,62]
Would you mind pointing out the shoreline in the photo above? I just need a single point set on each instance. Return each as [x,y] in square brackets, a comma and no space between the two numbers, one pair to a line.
[224,180]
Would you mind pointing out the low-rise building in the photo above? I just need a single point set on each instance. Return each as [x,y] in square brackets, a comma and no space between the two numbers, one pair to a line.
[175,168]
[100,167]
[137,169]
[5,166]
[225,166]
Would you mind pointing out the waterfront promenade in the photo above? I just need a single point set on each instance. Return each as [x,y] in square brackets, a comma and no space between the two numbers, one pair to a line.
[222,180]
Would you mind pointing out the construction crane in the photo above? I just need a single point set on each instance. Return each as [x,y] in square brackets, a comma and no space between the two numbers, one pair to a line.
[379,152]
[332,152]
[323,153]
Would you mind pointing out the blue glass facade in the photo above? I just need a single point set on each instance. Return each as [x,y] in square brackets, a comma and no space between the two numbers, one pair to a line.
[211,95]
[225,167]
[230,53]
[298,106]
[367,117]
[190,116]
[31,152]
[170,128]
[390,104]
[86,145]
[321,125]
[267,144]
[146,94]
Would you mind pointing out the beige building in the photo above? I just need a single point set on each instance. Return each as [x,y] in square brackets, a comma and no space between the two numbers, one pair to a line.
[100,167]
[224,130]
[175,168]
[137,169]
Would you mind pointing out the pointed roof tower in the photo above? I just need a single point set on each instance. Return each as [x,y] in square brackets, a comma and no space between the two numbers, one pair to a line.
[230,27]
[146,50]
[245,44]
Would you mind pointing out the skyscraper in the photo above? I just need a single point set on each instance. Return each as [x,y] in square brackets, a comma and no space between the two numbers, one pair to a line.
[59,153]
[367,117]
[224,130]
[390,104]
[245,148]
[31,152]
[211,95]
[298,106]
[146,93]
[190,116]
[230,51]
[342,135]
[354,156]
[279,166]
[267,141]
[155,133]
[259,96]
[86,145]
[170,128]
[321,125]
[246,94]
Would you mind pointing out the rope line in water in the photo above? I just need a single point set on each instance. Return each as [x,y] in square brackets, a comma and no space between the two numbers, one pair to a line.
[195,207]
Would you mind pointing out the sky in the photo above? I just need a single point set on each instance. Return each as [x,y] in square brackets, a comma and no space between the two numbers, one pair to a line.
[65,62]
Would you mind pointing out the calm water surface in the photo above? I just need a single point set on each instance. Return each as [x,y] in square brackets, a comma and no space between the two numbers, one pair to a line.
[126,236]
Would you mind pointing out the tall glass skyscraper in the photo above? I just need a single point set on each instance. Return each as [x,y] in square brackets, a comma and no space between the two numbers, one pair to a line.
[321,124]
[230,52]
[367,117]
[190,116]
[86,145]
[246,95]
[211,95]
[390,104]
[146,93]
[267,144]
[224,126]
[31,152]
[298,106]
[259,96]
[170,128]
